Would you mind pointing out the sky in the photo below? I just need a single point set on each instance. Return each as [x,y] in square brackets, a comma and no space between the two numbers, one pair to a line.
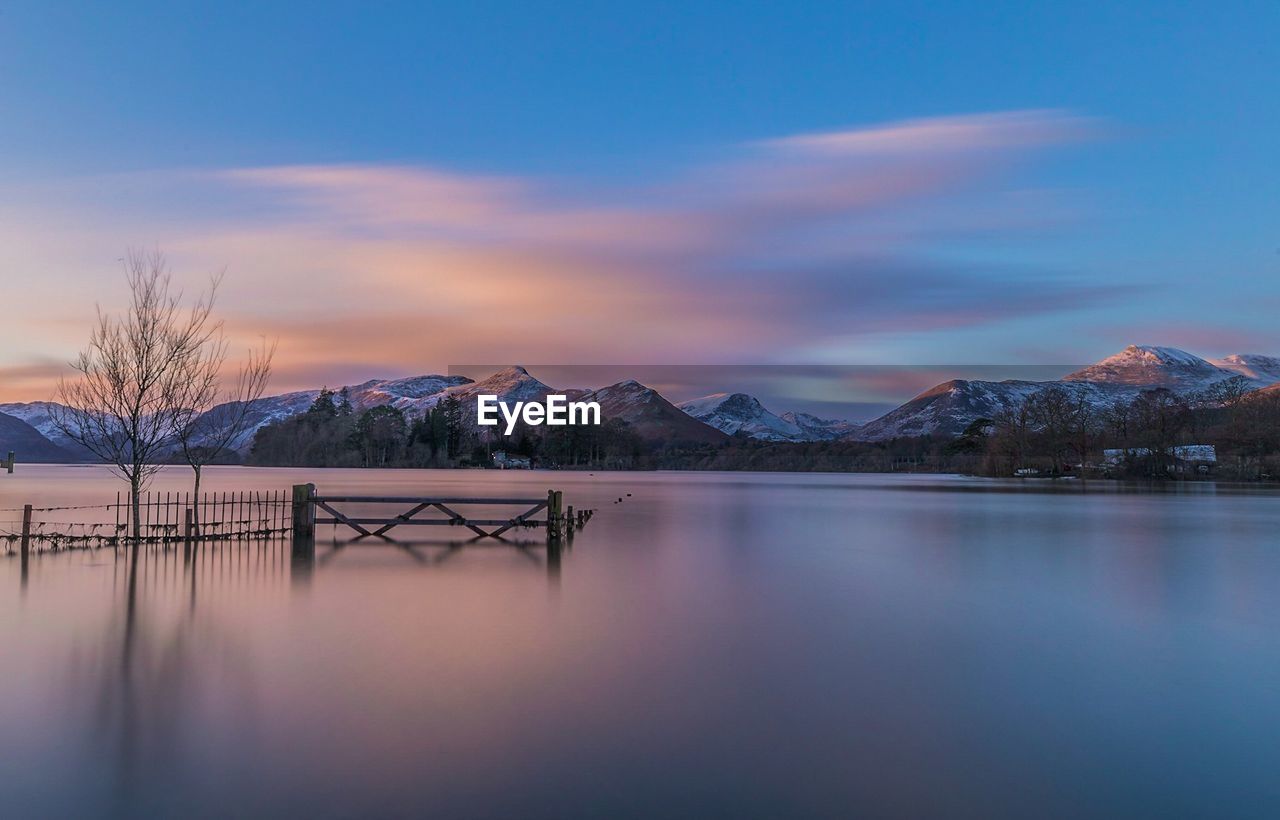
[397,188]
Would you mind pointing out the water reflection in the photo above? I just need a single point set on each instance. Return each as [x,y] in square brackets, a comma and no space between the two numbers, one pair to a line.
[145,688]
[157,661]
[306,558]
[718,645]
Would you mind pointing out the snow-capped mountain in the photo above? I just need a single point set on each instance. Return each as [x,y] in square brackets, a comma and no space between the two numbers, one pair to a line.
[1149,366]
[269,410]
[39,414]
[1252,365]
[948,408]
[510,384]
[818,429]
[942,410]
[650,415]
[28,442]
[735,413]
[951,406]
[412,395]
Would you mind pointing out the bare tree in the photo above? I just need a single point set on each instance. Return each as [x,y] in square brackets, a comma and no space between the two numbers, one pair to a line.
[1051,412]
[125,405]
[1160,418]
[213,420]
[1086,426]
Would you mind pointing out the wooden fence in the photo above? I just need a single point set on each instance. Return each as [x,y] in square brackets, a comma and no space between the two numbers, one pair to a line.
[558,521]
[162,517]
[171,517]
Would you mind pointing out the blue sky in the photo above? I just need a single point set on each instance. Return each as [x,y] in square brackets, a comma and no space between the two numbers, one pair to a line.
[1143,209]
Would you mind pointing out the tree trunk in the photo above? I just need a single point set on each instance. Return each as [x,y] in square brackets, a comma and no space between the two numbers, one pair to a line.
[195,499]
[135,492]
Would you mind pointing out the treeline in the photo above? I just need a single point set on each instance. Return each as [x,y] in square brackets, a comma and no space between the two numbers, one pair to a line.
[1055,432]
[914,454]
[331,433]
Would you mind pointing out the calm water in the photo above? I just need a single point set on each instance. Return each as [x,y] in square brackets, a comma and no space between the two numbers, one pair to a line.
[716,645]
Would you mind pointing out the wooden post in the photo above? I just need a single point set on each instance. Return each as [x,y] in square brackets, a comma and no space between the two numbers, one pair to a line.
[8,462]
[554,551]
[26,531]
[188,530]
[554,498]
[304,516]
[569,524]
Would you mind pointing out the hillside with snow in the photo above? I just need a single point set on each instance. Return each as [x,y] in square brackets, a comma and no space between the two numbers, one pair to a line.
[1252,366]
[945,409]
[650,415]
[27,442]
[39,415]
[1149,366]
[739,413]
[819,429]
[948,408]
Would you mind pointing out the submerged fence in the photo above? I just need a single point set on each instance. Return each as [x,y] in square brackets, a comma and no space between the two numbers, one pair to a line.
[181,517]
[162,517]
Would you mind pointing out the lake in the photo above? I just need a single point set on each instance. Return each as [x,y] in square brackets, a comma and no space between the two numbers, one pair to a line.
[715,645]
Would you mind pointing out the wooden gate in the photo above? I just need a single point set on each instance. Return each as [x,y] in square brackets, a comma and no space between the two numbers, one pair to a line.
[428,511]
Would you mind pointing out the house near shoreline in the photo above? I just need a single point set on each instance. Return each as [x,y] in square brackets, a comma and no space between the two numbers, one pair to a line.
[506,461]
[1185,458]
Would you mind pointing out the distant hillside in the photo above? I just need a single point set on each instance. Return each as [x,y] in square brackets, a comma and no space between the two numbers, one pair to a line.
[650,415]
[943,410]
[946,409]
[735,413]
[27,443]
[39,414]
[818,429]
[1151,366]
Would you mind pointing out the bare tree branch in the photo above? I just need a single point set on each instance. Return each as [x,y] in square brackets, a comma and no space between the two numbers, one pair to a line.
[126,403]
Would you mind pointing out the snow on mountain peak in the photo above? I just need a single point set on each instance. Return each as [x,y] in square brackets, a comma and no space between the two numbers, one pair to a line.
[1252,365]
[735,413]
[1153,366]
[948,407]
[1154,354]
[819,429]
[650,415]
[509,384]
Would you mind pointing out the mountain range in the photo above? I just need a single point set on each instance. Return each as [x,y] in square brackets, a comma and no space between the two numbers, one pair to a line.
[945,409]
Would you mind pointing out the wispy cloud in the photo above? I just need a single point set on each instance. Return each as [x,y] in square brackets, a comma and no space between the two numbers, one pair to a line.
[782,247]
[947,135]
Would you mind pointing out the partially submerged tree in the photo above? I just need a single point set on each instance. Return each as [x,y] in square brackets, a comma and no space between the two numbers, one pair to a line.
[213,420]
[127,402]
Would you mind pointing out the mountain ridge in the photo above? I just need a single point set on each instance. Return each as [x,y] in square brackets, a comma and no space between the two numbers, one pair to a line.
[944,409]
[949,407]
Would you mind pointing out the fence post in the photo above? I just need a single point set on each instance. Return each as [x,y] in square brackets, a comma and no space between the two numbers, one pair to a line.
[8,462]
[554,498]
[304,516]
[26,531]
[188,530]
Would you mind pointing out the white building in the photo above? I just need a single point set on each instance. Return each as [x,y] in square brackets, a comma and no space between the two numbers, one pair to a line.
[505,461]
[1186,457]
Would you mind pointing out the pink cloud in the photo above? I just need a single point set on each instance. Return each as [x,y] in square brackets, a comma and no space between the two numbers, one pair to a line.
[945,135]
[787,245]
